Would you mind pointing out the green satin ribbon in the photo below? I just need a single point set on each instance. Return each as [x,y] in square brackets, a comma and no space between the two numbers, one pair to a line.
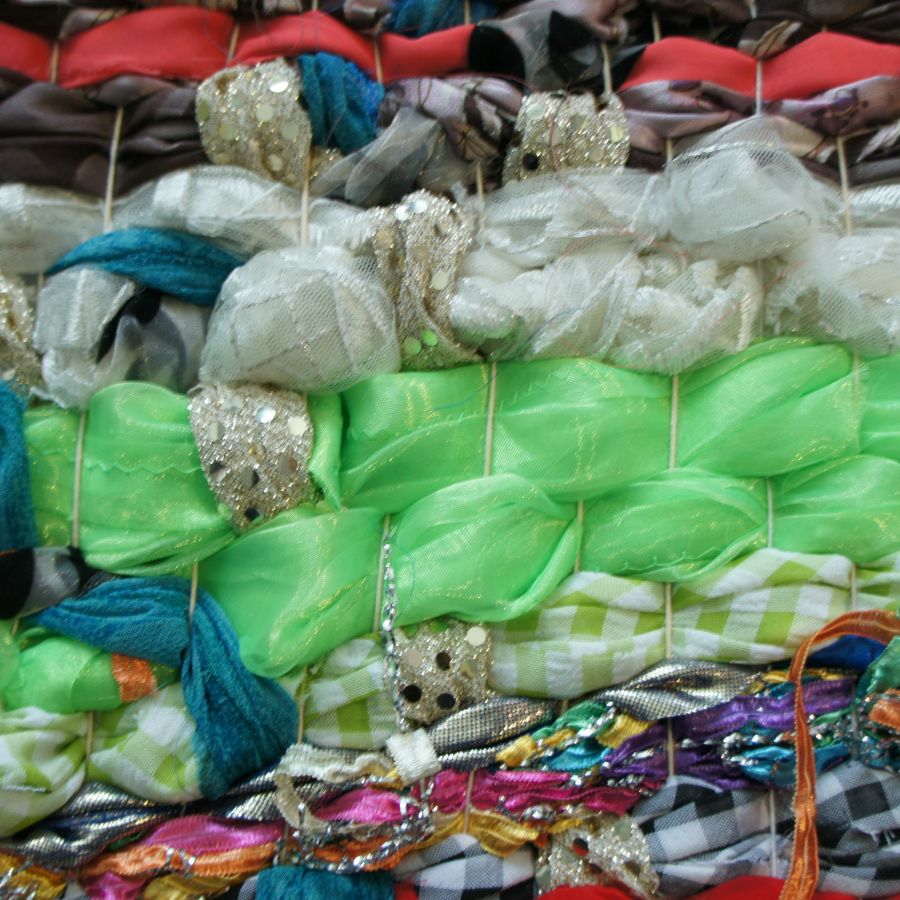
[578,428]
[593,631]
[767,449]
[296,588]
[62,675]
[145,506]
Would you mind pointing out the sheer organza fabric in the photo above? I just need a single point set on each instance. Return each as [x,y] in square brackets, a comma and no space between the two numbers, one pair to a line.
[733,241]
[789,444]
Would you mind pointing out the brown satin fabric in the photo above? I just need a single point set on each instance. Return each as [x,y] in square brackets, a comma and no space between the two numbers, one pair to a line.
[865,111]
[803,876]
[62,138]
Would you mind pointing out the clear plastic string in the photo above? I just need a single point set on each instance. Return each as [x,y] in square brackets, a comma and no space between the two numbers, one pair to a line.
[379,584]
[54,61]
[304,204]
[845,184]
[770,516]
[74,540]
[773,834]
[76,486]
[467,807]
[301,705]
[467,12]
[233,41]
[379,74]
[111,171]
[667,587]
[579,515]
[607,69]
[759,87]
[88,742]
[657,30]
[195,582]
[489,425]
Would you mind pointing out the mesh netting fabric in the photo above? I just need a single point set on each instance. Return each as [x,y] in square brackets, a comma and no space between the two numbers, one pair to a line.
[317,319]
[77,306]
[734,241]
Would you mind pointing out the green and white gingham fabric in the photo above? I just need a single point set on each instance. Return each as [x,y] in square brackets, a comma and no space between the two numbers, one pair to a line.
[346,704]
[145,748]
[597,630]
[41,764]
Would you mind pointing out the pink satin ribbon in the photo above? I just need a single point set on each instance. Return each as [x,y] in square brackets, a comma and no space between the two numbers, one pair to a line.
[518,790]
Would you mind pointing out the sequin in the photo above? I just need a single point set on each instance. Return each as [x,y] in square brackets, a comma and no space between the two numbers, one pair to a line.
[476,635]
[446,671]
[265,112]
[605,849]
[19,362]
[249,116]
[254,445]
[419,246]
[566,131]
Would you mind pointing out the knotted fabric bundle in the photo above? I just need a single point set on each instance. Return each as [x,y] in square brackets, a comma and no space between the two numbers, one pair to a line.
[243,722]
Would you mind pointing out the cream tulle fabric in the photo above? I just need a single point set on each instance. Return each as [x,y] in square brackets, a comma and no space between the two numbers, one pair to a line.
[312,319]
[733,241]
[74,309]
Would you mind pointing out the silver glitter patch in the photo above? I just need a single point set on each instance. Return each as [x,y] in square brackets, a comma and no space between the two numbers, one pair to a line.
[678,687]
[489,723]
[254,444]
[419,246]
[251,117]
[607,849]
[442,671]
[19,361]
[567,131]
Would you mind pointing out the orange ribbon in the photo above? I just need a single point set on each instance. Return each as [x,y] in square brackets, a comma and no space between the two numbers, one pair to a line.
[134,676]
[146,861]
[803,876]
[886,711]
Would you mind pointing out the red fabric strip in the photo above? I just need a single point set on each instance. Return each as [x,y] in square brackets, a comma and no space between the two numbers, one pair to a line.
[25,52]
[826,61]
[759,888]
[431,55]
[192,43]
[170,42]
[306,33]
[818,64]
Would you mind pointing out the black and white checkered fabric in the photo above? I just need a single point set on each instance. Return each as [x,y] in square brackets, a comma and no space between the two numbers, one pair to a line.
[699,835]
[458,868]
